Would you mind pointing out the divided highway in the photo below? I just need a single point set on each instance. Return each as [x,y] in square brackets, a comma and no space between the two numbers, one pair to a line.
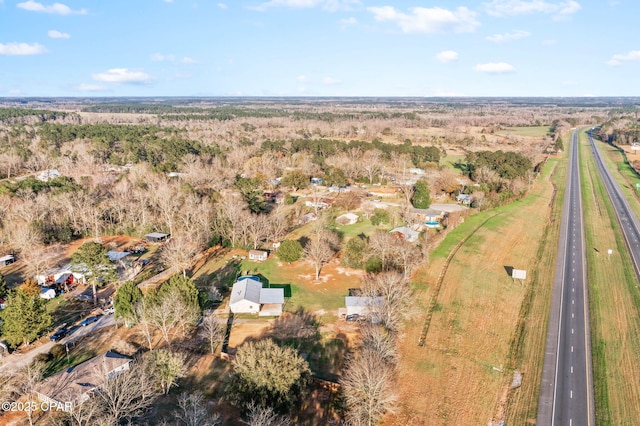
[566,396]
[626,217]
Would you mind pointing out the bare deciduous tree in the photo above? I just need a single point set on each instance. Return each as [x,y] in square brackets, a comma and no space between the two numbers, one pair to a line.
[213,330]
[192,411]
[318,252]
[368,388]
[129,393]
[178,253]
[394,291]
[264,416]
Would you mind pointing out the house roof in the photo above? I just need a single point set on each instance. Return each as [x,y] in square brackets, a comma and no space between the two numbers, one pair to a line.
[246,288]
[407,232]
[70,384]
[258,252]
[117,255]
[272,295]
[427,212]
[363,301]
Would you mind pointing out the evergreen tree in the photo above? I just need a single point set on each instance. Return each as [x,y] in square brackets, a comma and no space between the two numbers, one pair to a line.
[289,251]
[25,318]
[3,287]
[422,195]
[125,301]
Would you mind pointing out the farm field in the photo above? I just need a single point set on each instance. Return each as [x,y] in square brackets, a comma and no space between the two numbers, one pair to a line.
[533,131]
[614,304]
[460,374]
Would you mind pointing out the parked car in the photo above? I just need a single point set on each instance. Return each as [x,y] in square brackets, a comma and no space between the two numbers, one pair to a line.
[89,320]
[59,335]
[109,310]
[353,317]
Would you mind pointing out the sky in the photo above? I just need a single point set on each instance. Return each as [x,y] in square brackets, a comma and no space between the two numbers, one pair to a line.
[85,48]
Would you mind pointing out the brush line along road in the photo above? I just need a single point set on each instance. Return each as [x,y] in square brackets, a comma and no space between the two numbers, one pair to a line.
[566,395]
[628,220]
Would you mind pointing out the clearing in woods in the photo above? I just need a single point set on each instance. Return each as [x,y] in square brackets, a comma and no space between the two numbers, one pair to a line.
[462,373]
[614,304]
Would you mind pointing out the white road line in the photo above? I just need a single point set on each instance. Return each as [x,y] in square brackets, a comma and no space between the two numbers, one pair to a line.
[571,348]
[571,394]
[572,369]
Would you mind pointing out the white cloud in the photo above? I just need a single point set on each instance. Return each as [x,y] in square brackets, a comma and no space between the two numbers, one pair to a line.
[330,5]
[84,87]
[514,35]
[159,57]
[122,75]
[560,10]
[495,68]
[447,56]
[55,9]
[303,79]
[428,20]
[57,34]
[329,81]
[14,92]
[222,6]
[21,49]
[349,21]
[618,59]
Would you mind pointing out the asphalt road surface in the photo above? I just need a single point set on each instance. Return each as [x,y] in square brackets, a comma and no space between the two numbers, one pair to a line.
[15,361]
[566,396]
[628,220]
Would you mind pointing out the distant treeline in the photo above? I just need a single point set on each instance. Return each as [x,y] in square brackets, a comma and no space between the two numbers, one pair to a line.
[323,148]
[223,113]
[7,114]
[120,144]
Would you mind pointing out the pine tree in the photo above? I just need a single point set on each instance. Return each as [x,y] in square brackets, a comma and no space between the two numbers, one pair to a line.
[25,318]
[422,195]
[125,301]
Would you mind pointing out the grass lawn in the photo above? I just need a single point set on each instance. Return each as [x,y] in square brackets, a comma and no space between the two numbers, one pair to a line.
[474,342]
[535,131]
[626,176]
[450,160]
[614,304]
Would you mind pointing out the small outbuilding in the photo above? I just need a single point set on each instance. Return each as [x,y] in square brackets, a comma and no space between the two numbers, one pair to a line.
[347,219]
[47,293]
[48,174]
[364,306]
[157,237]
[258,255]
[7,260]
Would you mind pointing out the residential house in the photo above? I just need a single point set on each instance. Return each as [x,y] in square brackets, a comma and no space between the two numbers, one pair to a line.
[318,204]
[465,199]
[309,217]
[405,233]
[48,174]
[347,219]
[76,384]
[248,297]
[364,306]
[428,215]
[60,275]
[258,255]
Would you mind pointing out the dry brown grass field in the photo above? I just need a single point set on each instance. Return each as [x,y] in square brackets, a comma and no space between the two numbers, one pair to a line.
[459,376]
